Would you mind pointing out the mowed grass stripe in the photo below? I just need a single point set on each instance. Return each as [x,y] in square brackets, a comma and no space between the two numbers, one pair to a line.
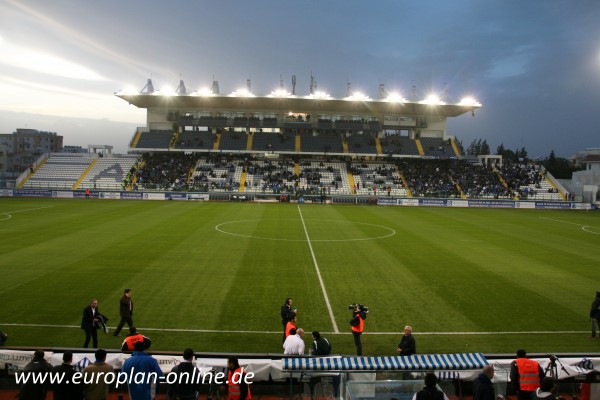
[445,270]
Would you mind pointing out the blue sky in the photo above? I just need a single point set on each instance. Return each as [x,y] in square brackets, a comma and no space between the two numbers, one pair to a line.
[534,65]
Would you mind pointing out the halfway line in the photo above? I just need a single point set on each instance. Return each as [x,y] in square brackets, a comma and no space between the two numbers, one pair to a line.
[312,253]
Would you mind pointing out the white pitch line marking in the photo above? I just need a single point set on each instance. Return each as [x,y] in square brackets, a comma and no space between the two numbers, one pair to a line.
[335,328]
[327,333]
[583,227]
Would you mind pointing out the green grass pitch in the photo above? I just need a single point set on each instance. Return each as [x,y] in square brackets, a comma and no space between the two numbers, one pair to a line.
[212,276]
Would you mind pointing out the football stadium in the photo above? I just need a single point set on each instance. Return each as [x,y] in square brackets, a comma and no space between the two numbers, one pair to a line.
[227,205]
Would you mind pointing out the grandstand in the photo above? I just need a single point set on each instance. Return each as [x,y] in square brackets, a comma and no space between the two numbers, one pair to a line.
[317,146]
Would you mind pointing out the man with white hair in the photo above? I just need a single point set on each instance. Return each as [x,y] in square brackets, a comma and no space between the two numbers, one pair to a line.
[407,344]
[294,343]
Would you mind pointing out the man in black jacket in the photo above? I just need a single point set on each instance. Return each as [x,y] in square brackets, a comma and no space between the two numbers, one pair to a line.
[91,321]
[33,390]
[483,388]
[430,391]
[66,389]
[287,314]
[595,314]
[320,346]
[125,311]
[407,345]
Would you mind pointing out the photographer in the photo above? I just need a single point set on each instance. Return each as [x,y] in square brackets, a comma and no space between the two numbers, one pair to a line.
[357,323]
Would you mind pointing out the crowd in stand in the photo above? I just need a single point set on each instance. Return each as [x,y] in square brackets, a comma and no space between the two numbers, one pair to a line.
[442,178]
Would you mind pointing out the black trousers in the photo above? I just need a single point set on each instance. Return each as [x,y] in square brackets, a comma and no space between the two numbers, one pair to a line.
[357,342]
[124,320]
[91,333]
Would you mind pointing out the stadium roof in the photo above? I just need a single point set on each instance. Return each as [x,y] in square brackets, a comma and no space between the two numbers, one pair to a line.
[270,104]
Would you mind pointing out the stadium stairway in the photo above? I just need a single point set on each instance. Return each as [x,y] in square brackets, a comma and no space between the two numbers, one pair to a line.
[297,168]
[29,175]
[174,140]
[420,147]
[298,144]
[378,146]
[135,140]
[462,194]
[134,178]
[87,171]
[351,182]
[249,143]
[455,148]
[405,183]
[504,183]
[547,179]
[217,142]
[345,146]
[242,187]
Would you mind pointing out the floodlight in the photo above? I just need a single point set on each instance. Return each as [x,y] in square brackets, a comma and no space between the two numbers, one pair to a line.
[358,96]
[469,101]
[395,97]
[242,93]
[432,99]
[280,93]
[205,92]
[318,95]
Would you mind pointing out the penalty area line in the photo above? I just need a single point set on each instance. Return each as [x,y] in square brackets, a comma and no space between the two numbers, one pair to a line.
[328,333]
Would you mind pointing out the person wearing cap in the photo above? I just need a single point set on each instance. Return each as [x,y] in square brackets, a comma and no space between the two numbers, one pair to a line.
[525,375]
[94,375]
[125,310]
[595,315]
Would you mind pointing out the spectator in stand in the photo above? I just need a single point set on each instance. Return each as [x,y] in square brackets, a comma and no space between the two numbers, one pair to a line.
[31,389]
[96,387]
[184,388]
[142,363]
[483,389]
[66,389]
[430,391]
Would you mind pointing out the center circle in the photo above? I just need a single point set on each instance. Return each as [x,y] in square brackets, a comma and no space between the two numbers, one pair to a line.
[271,229]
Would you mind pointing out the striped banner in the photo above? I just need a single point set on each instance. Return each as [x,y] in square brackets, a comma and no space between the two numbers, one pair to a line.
[449,362]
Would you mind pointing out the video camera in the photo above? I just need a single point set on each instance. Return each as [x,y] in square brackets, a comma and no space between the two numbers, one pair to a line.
[360,307]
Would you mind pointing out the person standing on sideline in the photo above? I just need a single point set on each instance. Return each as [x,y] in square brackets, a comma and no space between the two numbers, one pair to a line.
[133,338]
[96,387]
[320,346]
[357,323]
[142,363]
[290,325]
[66,389]
[237,387]
[595,315]
[125,310]
[483,388]
[287,315]
[407,345]
[294,344]
[525,375]
[91,321]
